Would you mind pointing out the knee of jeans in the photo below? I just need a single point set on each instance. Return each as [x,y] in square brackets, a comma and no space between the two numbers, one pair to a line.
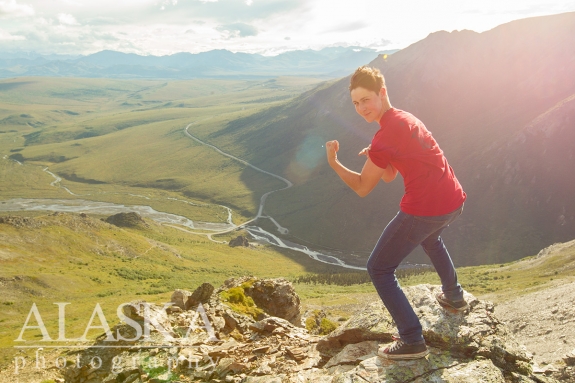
[375,269]
[431,244]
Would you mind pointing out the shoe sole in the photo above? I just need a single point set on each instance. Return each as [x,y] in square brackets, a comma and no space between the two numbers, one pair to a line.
[447,305]
[404,356]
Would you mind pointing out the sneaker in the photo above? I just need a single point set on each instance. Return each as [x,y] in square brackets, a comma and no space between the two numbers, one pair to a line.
[401,350]
[456,305]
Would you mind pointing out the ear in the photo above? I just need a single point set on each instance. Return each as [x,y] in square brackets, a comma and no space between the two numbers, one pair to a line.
[383,93]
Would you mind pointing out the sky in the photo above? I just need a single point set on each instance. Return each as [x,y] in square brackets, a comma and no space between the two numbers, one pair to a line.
[269,27]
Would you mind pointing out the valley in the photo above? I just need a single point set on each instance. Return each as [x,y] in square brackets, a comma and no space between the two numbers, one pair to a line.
[205,161]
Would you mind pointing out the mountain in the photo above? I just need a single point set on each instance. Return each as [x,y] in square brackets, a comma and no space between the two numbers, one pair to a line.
[328,62]
[501,105]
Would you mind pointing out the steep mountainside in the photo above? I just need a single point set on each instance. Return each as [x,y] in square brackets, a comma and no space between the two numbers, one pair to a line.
[500,105]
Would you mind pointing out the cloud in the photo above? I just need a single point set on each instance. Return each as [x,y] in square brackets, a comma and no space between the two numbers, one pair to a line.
[67,19]
[5,36]
[238,30]
[380,44]
[349,27]
[225,11]
[101,21]
[165,3]
[10,8]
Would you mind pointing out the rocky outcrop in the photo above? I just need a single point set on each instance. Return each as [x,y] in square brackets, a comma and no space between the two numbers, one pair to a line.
[239,241]
[276,297]
[21,222]
[131,219]
[180,297]
[569,358]
[200,295]
[216,343]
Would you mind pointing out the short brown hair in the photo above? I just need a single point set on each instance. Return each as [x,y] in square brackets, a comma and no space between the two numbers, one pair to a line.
[368,78]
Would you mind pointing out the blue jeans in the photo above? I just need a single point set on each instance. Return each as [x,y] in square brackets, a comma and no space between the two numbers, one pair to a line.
[401,236]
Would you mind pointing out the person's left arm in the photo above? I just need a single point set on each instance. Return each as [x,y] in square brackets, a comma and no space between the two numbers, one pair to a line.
[389,173]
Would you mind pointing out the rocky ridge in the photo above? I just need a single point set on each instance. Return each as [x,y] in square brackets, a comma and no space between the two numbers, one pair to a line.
[211,342]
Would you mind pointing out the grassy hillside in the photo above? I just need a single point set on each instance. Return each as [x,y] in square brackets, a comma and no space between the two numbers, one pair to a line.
[84,261]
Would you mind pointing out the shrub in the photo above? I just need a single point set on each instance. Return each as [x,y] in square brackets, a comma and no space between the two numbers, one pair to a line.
[310,324]
[326,326]
[238,301]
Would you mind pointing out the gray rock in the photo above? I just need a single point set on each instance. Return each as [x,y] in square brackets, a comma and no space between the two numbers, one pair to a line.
[180,297]
[371,323]
[569,359]
[438,367]
[131,219]
[354,353]
[277,298]
[200,295]
[239,241]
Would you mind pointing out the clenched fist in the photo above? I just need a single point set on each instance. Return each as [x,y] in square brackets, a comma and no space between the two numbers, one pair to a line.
[331,148]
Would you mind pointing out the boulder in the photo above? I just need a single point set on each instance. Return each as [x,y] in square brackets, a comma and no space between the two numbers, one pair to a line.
[477,333]
[569,358]
[131,219]
[354,353]
[276,297]
[239,241]
[437,367]
[149,313]
[180,297]
[200,295]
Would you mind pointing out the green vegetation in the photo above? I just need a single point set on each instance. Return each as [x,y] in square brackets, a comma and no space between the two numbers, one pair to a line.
[85,261]
[240,302]
[326,326]
[318,323]
[357,278]
[161,374]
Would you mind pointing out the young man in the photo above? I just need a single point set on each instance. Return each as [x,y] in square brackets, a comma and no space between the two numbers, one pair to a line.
[433,199]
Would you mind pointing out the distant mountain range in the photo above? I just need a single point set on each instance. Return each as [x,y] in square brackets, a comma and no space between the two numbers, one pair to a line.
[328,62]
[500,103]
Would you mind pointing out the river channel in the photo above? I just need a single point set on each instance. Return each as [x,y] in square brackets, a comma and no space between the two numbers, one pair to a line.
[107,208]
[207,228]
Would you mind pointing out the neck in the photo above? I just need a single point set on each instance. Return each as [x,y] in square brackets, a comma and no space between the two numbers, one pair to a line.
[386,106]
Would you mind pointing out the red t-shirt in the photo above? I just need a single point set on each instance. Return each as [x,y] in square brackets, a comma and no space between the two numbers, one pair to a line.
[431,187]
